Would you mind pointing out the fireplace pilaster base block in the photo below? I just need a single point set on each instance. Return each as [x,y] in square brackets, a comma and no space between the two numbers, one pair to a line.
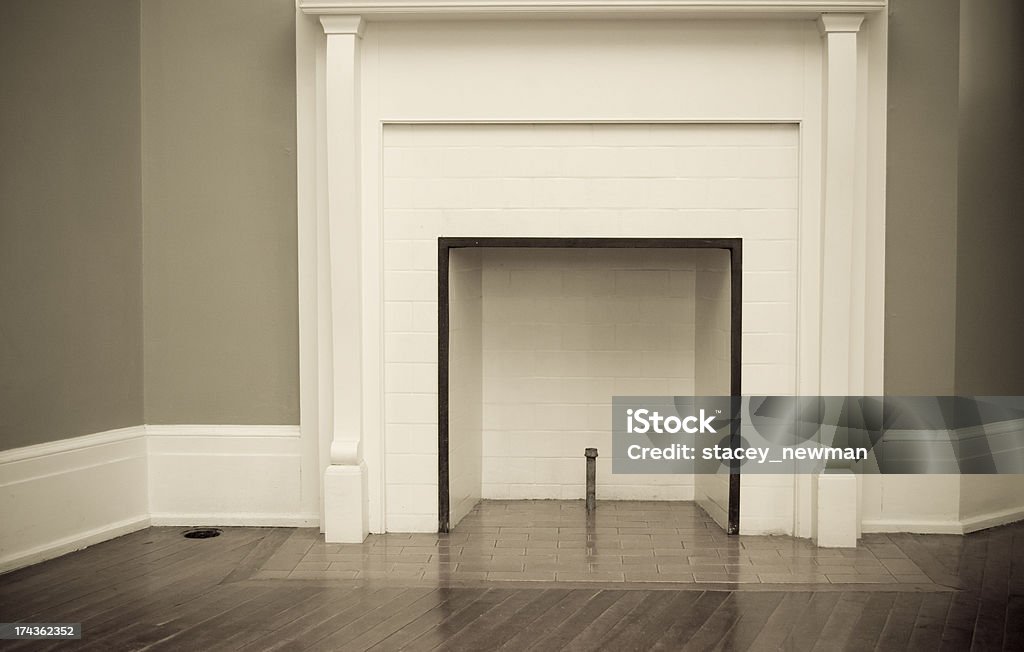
[346,507]
[837,509]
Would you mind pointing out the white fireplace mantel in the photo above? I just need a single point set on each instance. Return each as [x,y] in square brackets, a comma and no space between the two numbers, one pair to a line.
[363,67]
[582,9]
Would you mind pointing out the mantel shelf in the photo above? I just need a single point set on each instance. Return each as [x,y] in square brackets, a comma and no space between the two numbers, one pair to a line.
[584,9]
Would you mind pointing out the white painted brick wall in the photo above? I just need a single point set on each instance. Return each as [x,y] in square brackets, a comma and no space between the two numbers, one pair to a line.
[573,180]
[627,318]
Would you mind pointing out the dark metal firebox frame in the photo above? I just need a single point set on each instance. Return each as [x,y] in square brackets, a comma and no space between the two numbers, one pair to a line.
[444,246]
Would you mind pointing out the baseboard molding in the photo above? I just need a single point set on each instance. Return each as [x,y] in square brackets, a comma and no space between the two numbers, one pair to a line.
[992,519]
[72,493]
[950,526]
[224,472]
[65,495]
[72,543]
[912,526]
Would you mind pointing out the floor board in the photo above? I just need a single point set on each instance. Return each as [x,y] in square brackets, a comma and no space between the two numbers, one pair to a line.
[899,626]
[593,635]
[871,621]
[753,611]
[682,630]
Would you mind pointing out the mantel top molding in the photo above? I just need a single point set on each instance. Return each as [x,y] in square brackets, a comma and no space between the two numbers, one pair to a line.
[581,9]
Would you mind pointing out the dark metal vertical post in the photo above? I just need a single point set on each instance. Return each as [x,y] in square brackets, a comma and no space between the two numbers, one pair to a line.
[591,455]
[735,385]
[443,490]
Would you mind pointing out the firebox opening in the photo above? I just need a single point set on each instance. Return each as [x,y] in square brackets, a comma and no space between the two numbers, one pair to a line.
[536,336]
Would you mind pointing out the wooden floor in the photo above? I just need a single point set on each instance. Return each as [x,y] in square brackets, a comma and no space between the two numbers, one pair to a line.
[155,590]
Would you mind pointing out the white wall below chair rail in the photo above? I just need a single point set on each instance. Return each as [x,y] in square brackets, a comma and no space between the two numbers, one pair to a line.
[65,495]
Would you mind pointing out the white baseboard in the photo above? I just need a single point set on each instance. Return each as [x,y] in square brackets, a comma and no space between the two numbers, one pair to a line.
[65,495]
[912,526]
[71,543]
[992,519]
[950,526]
[225,473]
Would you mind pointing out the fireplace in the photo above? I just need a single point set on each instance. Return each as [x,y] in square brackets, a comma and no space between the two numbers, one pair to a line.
[536,334]
[541,121]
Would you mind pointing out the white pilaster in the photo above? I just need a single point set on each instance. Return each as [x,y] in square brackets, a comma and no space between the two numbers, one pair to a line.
[841,374]
[840,168]
[345,483]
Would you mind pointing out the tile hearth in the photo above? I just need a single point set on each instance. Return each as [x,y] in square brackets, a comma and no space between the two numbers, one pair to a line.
[625,542]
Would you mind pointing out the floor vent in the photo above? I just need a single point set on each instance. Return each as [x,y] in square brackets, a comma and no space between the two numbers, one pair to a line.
[201,533]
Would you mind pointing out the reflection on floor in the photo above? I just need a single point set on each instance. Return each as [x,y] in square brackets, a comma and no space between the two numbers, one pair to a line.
[158,591]
[628,541]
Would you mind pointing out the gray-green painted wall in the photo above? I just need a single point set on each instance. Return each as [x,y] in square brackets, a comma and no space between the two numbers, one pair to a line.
[921,195]
[955,198]
[219,211]
[990,219]
[70,226]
